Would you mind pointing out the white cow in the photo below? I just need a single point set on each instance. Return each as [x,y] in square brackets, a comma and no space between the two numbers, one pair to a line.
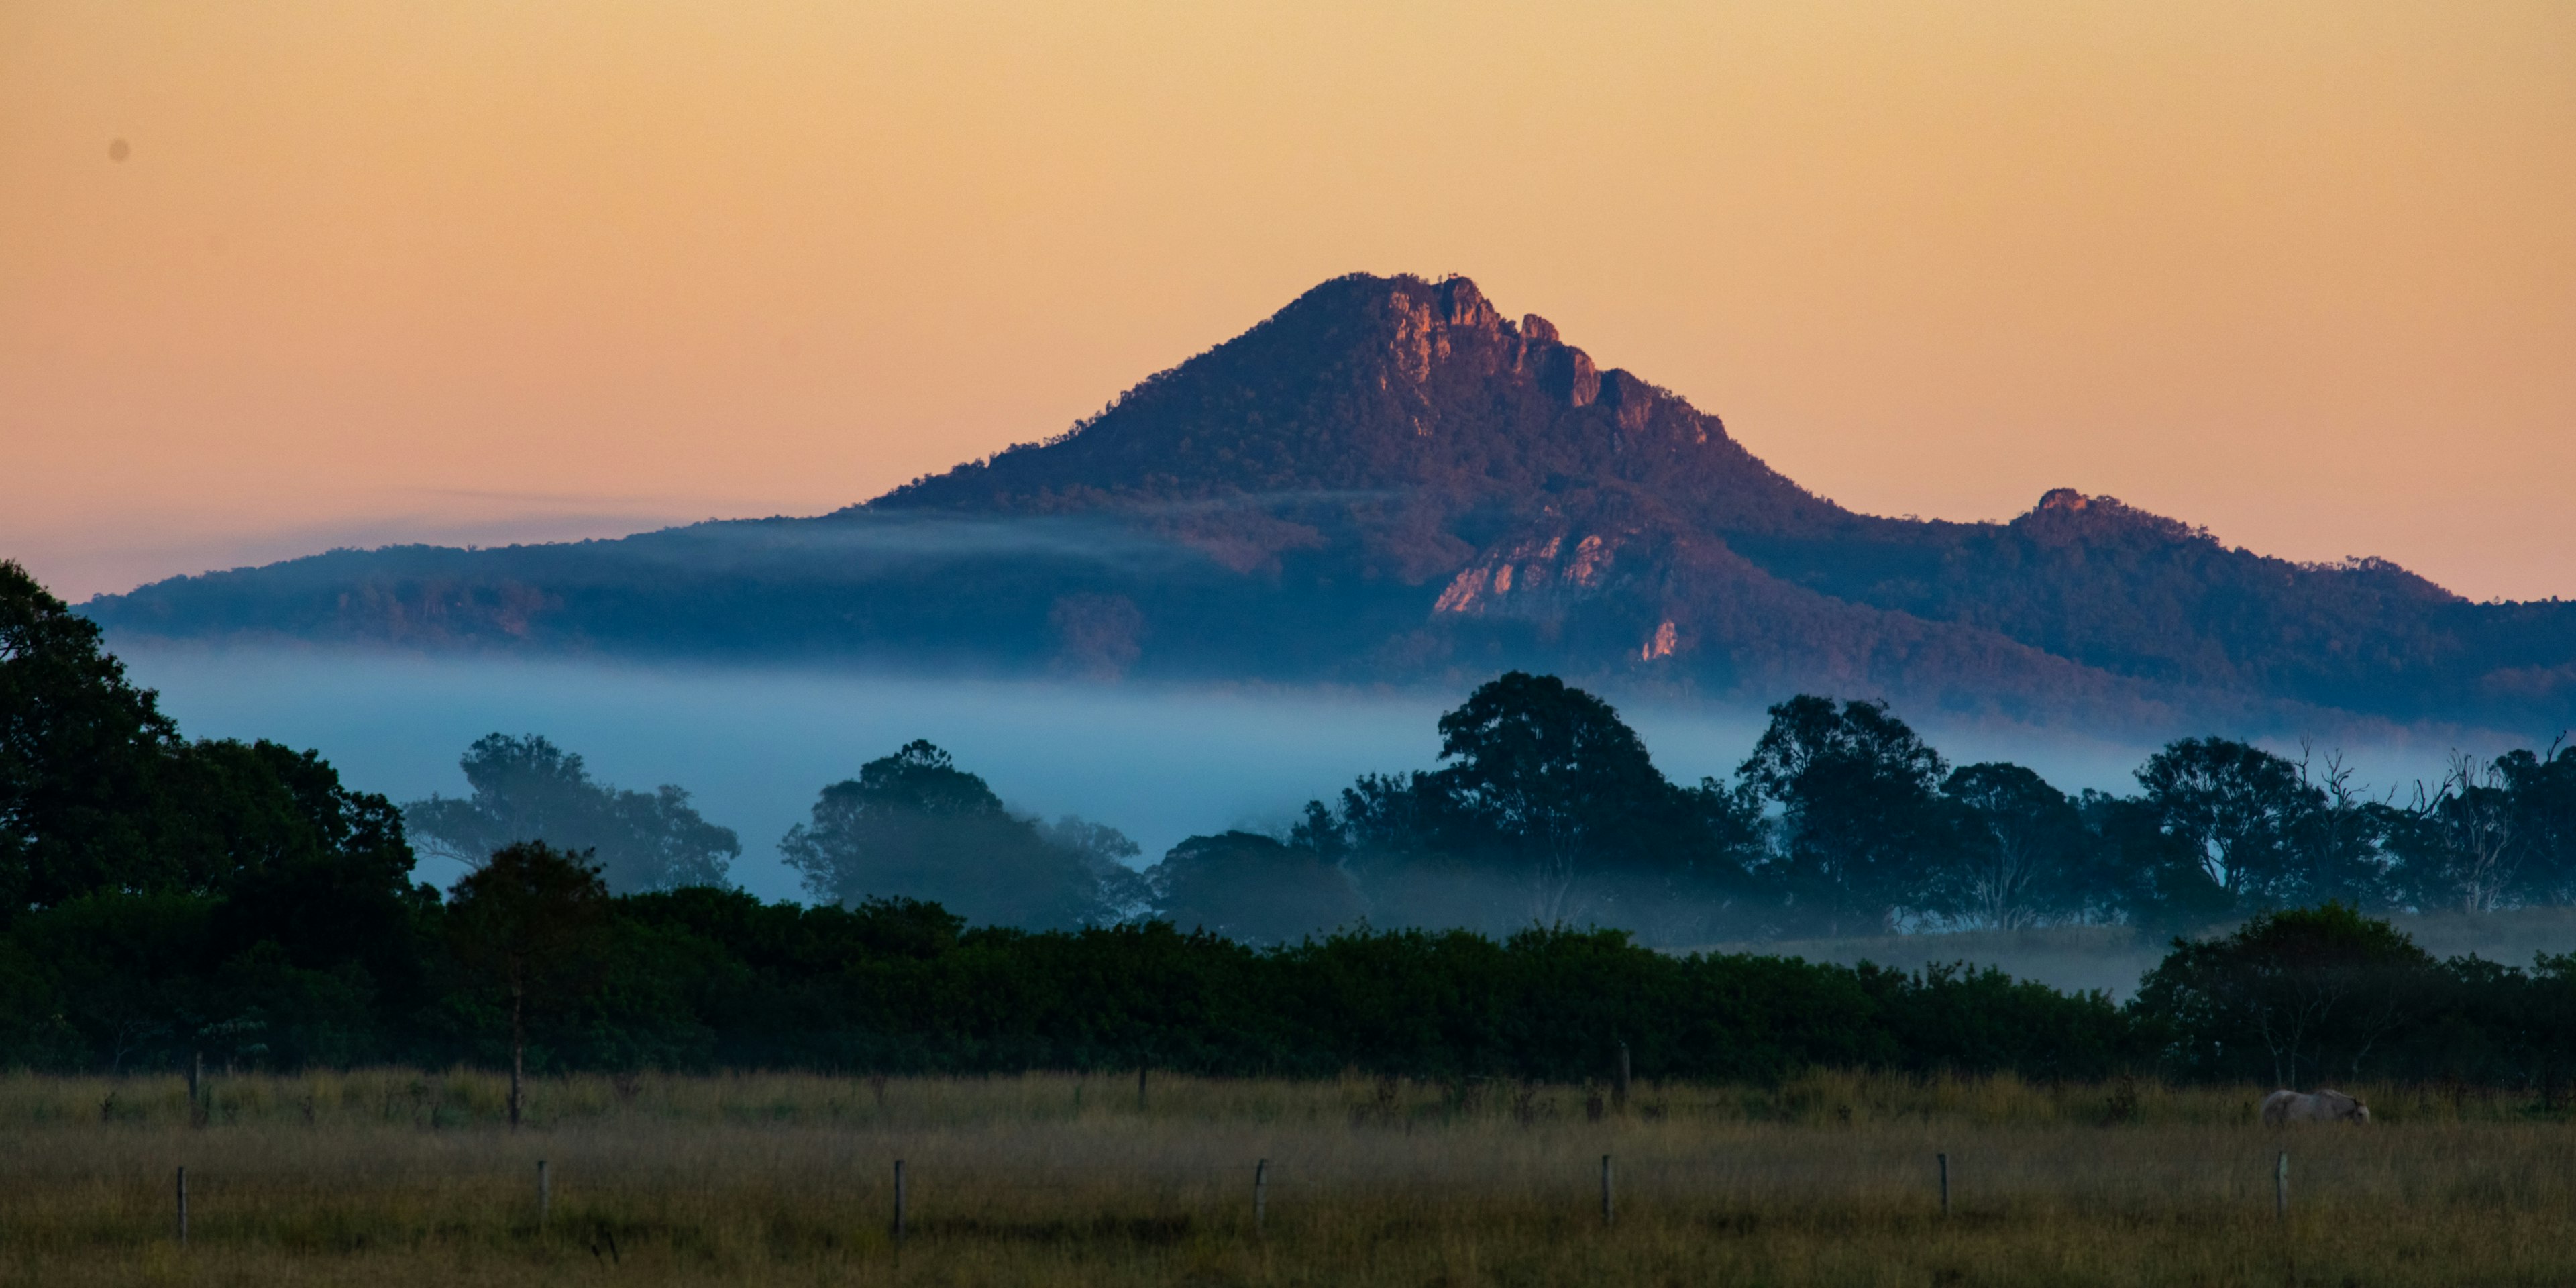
[2282,1108]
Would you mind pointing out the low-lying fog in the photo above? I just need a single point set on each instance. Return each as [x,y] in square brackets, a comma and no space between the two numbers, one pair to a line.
[1158,763]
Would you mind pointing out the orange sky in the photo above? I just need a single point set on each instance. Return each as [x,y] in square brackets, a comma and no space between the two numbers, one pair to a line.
[2304,272]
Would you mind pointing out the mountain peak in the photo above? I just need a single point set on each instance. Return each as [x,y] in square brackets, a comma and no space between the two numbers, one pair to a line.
[1366,383]
[1391,479]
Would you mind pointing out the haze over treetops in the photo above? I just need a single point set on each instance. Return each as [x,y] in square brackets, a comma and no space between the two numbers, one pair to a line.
[1391,480]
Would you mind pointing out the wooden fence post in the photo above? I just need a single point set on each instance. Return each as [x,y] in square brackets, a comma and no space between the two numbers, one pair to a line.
[1945,1183]
[1260,1194]
[898,1202]
[2281,1187]
[1605,1189]
[545,1195]
[183,1207]
[1140,1088]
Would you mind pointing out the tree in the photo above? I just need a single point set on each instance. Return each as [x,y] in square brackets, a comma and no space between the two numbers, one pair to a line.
[314,878]
[2341,841]
[528,922]
[1865,834]
[2151,878]
[1318,832]
[1416,858]
[1252,889]
[231,813]
[2023,855]
[914,825]
[1549,811]
[1381,814]
[82,755]
[528,789]
[2457,845]
[1120,891]
[1550,776]
[2240,809]
[2542,789]
[2313,991]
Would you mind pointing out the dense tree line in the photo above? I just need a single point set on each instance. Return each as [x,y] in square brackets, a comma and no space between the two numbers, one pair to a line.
[1844,821]
[1547,810]
[167,897]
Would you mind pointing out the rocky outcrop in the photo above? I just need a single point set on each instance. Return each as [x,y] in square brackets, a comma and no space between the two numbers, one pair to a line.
[1630,399]
[1533,575]
[1567,374]
[1456,321]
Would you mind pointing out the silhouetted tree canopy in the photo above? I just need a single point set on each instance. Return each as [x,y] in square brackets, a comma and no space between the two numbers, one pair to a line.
[2024,857]
[2238,807]
[914,825]
[528,789]
[1864,833]
[527,923]
[1549,811]
[1549,775]
[81,756]
[1120,892]
[2298,996]
[1253,889]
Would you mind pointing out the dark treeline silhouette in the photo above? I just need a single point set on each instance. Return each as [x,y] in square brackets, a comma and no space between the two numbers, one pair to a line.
[1844,821]
[165,897]
[1547,810]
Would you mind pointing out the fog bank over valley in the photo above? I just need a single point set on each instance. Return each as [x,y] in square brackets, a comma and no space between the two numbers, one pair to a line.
[753,747]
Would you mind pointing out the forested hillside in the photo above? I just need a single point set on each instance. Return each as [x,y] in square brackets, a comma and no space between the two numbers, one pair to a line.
[1390,481]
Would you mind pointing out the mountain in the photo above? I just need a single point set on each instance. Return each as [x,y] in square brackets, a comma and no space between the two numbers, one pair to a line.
[1390,481]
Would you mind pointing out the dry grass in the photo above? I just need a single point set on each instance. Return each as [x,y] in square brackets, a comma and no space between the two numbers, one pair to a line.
[394,1177]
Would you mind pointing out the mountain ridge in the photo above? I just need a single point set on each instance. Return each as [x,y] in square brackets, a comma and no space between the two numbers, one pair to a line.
[1389,479]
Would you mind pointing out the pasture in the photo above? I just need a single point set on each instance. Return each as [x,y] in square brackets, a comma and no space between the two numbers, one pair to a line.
[399,1177]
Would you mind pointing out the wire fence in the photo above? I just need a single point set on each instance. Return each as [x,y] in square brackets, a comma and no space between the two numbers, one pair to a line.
[1261,1191]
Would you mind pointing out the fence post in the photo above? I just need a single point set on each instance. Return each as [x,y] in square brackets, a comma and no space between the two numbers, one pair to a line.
[898,1202]
[1605,1189]
[1619,1089]
[545,1195]
[1260,1194]
[1140,1088]
[183,1207]
[2281,1187]
[1945,1183]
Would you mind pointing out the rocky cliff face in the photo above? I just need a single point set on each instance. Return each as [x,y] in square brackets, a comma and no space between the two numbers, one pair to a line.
[1368,383]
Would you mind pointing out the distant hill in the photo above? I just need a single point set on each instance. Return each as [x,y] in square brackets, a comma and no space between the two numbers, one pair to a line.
[1389,481]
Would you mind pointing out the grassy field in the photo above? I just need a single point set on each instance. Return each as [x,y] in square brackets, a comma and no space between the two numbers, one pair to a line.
[396,1177]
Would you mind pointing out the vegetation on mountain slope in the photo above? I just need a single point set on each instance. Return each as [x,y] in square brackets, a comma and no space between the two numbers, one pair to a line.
[1388,481]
